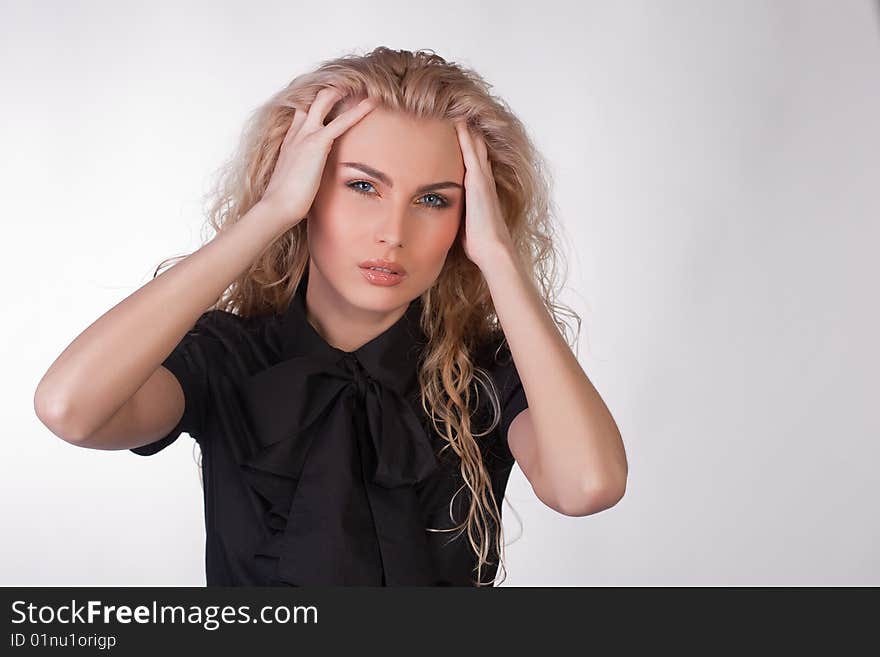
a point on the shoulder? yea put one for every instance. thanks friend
(494, 358)
(221, 323)
(250, 343)
(493, 354)
(224, 322)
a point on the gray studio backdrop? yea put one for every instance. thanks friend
(716, 168)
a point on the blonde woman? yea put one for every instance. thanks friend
(381, 341)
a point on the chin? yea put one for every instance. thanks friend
(381, 298)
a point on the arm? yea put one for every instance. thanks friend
(566, 442)
(109, 378)
(108, 389)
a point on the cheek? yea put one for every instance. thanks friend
(435, 241)
(331, 231)
(324, 241)
(449, 233)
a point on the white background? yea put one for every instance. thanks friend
(716, 167)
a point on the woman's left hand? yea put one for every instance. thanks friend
(485, 230)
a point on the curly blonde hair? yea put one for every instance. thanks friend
(458, 312)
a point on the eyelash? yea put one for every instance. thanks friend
(444, 203)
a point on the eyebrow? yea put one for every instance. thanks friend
(386, 180)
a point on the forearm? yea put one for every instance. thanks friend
(107, 363)
(578, 445)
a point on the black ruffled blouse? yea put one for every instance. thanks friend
(319, 465)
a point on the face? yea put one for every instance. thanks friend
(392, 189)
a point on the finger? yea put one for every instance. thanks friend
(473, 156)
(482, 152)
(466, 142)
(482, 155)
(320, 107)
(483, 148)
(299, 118)
(349, 117)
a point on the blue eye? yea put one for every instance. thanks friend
(357, 189)
(441, 202)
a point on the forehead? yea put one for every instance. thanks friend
(403, 146)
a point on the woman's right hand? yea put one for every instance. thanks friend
(300, 165)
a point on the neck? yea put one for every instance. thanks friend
(339, 323)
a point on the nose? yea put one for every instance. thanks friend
(391, 226)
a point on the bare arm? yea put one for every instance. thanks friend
(109, 391)
(88, 385)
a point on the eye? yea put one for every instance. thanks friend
(439, 203)
(357, 189)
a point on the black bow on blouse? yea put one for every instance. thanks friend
(319, 416)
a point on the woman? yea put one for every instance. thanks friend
(382, 236)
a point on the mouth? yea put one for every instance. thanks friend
(382, 272)
(385, 266)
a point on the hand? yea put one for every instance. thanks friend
(485, 229)
(303, 155)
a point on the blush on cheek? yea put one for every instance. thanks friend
(433, 251)
(449, 234)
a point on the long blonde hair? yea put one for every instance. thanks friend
(458, 312)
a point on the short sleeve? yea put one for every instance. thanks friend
(511, 394)
(209, 345)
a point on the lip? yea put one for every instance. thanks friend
(396, 267)
(381, 278)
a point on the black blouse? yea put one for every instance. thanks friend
(320, 466)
